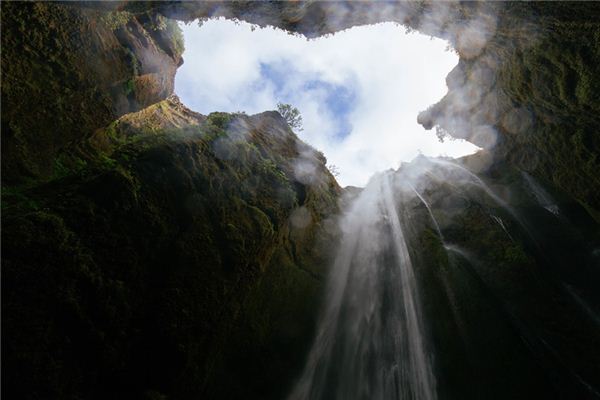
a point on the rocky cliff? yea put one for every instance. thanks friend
(524, 85)
(508, 272)
(183, 260)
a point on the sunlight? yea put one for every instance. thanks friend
(359, 91)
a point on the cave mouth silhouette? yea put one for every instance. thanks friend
(359, 91)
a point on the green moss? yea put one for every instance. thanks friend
(75, 53)
(219, 119)
(17, 198)
(130, 87)
(515, 255)
(115, 20)
(167, 221)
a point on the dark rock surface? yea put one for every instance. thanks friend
(185, 262)
(508, 284)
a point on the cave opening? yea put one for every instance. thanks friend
(358, 91)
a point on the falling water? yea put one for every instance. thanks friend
(426, 204)
(370, 342)
(500, 222)
(542, 197)
(477, 181)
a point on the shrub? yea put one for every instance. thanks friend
(291, 115)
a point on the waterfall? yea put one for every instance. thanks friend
(541, 196)
(478, 182)
(370, 342)
(426, 204)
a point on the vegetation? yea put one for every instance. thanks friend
(116, 19)
(442, 134)
(67, 70)
(334, 170)
(291, 115)
(175, 32)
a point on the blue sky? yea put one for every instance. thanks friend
(359, 91)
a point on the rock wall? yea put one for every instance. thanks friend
(183, 263)
(68, 70)
(524, 87)
(508, 282)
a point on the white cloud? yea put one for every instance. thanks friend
(392, 75)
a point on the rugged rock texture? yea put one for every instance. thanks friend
(67, 71)
(523, 86)
(531, 96)
(509, 283)
(183, 263)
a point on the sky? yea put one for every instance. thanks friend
(359, 91)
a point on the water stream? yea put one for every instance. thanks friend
(540, 194)
(370, 343)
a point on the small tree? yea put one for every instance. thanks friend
(291, 115)
(334, 170)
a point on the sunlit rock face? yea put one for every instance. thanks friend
(187, 260)
(69, 70)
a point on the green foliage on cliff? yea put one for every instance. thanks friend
(116, 19)
(175, 32)
(156, 258)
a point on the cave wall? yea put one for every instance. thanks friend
(184, 262)
(531, 97)
(67, 71)
(502, 283)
